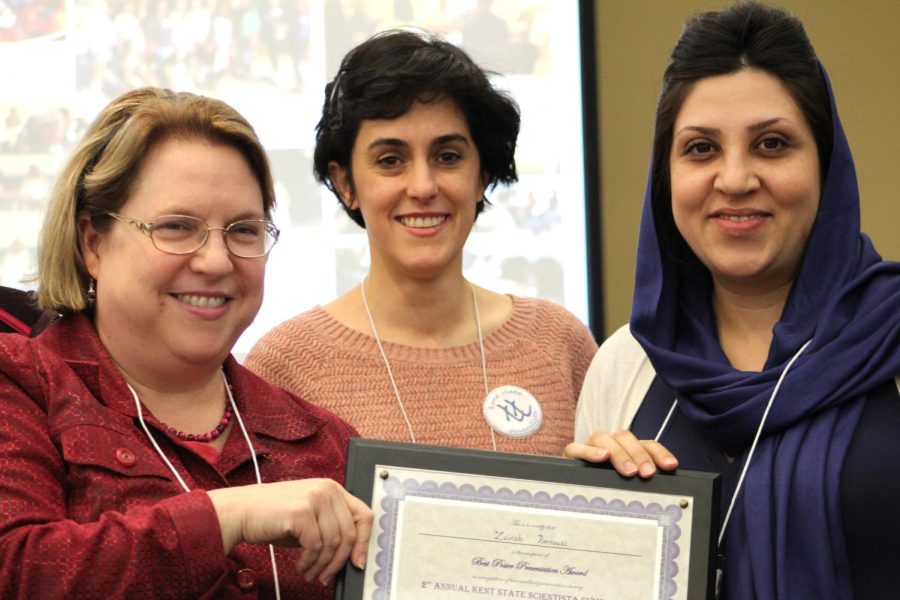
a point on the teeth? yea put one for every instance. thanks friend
(202, 301)
(739, 219)
(422, 222)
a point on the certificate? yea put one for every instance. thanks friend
(453, 524)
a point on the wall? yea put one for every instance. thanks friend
(858, 42)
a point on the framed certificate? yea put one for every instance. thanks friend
(453, 524)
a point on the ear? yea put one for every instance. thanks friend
(89, 239)
(340, 179)
(483, 189)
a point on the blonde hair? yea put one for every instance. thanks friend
(102, 170)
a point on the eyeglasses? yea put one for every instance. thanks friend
(181, 234)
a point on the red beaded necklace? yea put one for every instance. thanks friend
(203, 437)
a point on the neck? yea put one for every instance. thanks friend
(435, 313)
(745, 323)
(188, 407)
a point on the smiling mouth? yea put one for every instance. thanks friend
(201, 301)
(740, 218)
(422, 222)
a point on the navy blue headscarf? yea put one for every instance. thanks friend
(785, 537)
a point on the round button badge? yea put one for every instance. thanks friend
(512, 411)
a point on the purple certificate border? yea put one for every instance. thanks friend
(396, 491)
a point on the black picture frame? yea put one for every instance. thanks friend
(364, 455)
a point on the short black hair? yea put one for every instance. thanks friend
(382, 78)
(744, 35)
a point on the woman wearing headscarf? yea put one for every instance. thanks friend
(764, 341)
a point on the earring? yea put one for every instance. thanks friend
(91, 293)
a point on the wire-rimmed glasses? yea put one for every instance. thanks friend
(183, 234)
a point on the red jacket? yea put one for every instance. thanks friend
(88, 508)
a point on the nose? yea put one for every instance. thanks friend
(213, 258)
(736, 175)
(421, 183)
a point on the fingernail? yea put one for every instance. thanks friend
(629, 468)
(647, 469)
(361, 563)
(325, 581)
(670, 461)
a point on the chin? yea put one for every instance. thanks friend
(736, 266)
(204, 357)
(202, 349)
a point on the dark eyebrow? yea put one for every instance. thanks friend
(711, 131)
(765, 124)
(390, 142)
(398, 143)
(451, 137)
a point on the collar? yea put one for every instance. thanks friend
(267, 411)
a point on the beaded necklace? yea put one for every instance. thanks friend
(203, 437)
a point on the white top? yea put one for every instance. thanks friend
(614, 387)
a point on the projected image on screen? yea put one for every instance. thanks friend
(63, 61)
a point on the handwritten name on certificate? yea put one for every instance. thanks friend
(453, 536)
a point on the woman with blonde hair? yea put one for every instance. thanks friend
(140, 459)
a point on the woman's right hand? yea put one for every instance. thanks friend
(627, 454)
(319, 515)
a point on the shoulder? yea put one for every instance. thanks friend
(279, 408)
(35, 366)
(623, 347)
(289, 340)
(52, 347)
(306, 322)
(310, 333)
(541, 329)
(17, 352)
(548, 316)
(620, 363)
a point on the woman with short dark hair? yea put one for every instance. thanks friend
(412, 134)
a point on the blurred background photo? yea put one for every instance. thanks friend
(63, 61)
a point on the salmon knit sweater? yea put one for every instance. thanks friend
(541, 347)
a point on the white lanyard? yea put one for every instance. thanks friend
(234, 408)
(759, 429)
(390, 372)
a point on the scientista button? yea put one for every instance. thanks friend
(512, 411)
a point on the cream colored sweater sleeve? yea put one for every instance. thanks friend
(615, 386)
